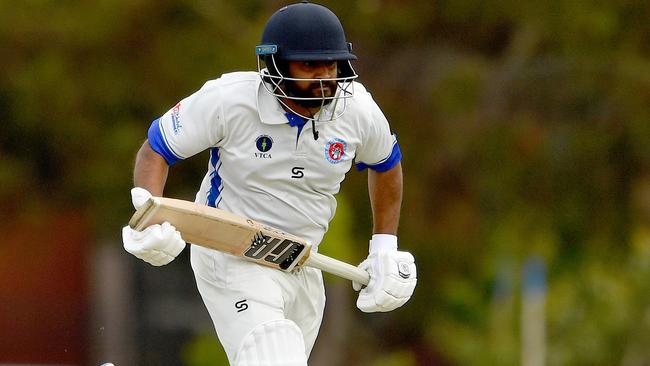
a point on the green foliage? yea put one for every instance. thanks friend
(400, 358)
(204, 350)
(339, 241)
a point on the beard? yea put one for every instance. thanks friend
(313, 90)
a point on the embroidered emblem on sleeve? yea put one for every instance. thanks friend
(176, 119)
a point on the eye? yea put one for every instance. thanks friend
(314, 64)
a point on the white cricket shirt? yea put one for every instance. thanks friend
(263, 168)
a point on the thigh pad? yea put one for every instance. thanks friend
(274, 343)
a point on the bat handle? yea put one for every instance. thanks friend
(338, 268)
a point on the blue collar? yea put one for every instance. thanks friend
(295, 120)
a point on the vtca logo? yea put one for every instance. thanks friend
(264, 143)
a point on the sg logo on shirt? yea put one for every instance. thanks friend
(297, 172)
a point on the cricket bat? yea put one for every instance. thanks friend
(224, 231)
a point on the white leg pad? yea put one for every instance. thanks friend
(275, 343)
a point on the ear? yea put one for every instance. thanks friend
(345, 70)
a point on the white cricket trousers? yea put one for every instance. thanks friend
(243, 297)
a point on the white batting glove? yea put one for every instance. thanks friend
(157, 244)
(392, 276)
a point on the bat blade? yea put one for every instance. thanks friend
(226, 232)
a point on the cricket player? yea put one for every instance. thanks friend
(280, 142)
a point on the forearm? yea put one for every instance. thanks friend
(393, 274)
(385, 191)
(150, 170)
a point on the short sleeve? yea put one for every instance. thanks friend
(379, 149)
(194, 124)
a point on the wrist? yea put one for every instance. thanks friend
(382, 242)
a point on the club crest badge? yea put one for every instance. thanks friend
(335, 150)
(264, 143)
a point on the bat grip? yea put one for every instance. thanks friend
(338, 268)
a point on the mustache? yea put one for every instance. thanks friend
(313, 90)
(325, 84)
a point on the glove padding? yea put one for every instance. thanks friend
(393, 277)
(158, 244)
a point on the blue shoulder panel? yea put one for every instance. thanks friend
(159, 143)
(386, 165)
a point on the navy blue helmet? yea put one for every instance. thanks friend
(305, 32)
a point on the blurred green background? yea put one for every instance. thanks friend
(526, 140)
